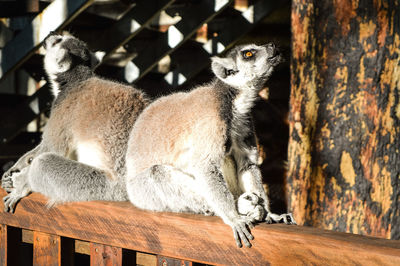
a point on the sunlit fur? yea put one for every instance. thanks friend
(180, 145)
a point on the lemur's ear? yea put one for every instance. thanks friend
(223, 67)
(96, 58)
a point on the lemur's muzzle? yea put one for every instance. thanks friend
(274, 54)
(52, 39)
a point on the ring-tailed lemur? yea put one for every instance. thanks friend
(90, 121)
(180, 144)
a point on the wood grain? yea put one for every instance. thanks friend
(198, 238)
(105, 255)
(165, 261)
(46, 249)
(3, 245)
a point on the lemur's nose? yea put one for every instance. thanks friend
(270, 45)
(271, 50)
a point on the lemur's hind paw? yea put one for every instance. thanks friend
(248, 204)
(287, 218)
(11, 200)
(7, 184)
(7, 181)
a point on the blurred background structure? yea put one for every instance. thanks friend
(160, 46)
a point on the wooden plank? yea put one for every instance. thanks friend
(105, 255)
(165, 261)
(54, 17)
(46, 249)
(211, 241)
(192, 19)
(144, 259)
(3, 245)
(82, 247)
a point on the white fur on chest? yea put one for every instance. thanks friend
(92, 154)
(244, 101)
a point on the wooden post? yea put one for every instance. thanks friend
(10, 242)
(165, 261)
(105, 255)
(3, 245)
(46, 249)
(344, 147)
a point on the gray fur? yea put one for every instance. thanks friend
(90, 122)
(196, 151)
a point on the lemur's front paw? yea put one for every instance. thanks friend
(287, 218)
(248, 204)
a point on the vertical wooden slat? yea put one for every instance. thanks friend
(165, 261)
(105, 255)
(3, 245)
(46, 249)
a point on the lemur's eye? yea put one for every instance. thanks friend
(30, 159)
(248, 54)
(56, 41)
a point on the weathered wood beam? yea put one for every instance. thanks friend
(54, 17)
(211, 241)
(46, 249)
(161, 260)
(105, 255)
(192, 18)
(10, 241)
(239, 23)
(3, 245)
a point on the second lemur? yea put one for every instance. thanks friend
(180, 145)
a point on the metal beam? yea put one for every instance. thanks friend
(192, 19)
(54, 17)
(132, 23)
(15, 119)
(189, 65)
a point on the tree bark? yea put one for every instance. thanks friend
(344, 159)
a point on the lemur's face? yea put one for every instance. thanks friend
(63, 52)
(247, 65)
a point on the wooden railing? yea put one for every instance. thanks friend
(116, 233)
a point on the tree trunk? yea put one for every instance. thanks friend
(344, 160)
